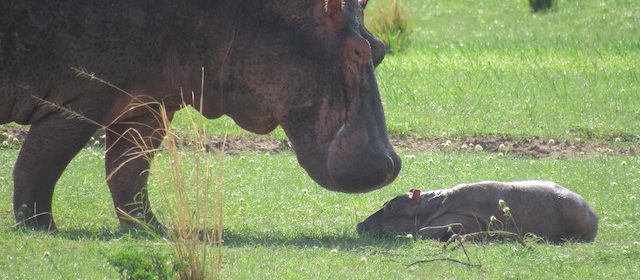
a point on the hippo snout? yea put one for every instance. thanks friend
(371, 226)
(370, 229)
(369, 171)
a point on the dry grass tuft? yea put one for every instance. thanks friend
(191, 188)
(392, 27)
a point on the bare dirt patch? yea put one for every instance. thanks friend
(238, 144)
(535, 147)
(530, 147)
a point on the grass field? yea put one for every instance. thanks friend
(279, 225)
(473, 67)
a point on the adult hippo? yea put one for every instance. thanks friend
(539, 207)
(306, 65)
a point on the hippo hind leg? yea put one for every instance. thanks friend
(131, 145)
(48, 148)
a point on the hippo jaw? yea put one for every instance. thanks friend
(352, 163)
(360, 161)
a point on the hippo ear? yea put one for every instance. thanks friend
(333, 7)
(332, 13)
(363, 3)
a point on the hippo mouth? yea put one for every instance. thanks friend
(377, 229)
(364, 228)
(354, 161)
(351, 172)
(357, 163)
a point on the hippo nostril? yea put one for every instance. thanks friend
(391, 167)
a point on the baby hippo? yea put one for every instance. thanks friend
(539, 207)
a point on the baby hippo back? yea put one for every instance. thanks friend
(539, 207)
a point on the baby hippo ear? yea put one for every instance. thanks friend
(416, 203)
(415, 194)
(363, 3)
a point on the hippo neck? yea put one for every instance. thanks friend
(226, 29)
(434, 200)
(214, 31)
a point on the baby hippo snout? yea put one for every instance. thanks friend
(371, 226)
(361, 228)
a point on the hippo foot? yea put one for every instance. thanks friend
(141, 222)
(26, 219)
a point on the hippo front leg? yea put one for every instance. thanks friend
(131, 145)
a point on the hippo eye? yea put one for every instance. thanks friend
(357, 53)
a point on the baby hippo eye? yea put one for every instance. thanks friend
(390, 207)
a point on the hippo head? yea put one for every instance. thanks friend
(403, 214)
(309, 67)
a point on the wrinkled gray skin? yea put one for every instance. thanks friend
(307, 67)
(539, 207)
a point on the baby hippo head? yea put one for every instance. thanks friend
(403, 214)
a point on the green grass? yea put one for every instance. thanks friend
(473, 67)
(490, 67)
(278, 224)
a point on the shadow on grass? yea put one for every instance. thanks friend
(96, 234)
(238, 238)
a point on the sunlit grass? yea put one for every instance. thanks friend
(278, 223)
(491, 67)
(519, 93)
